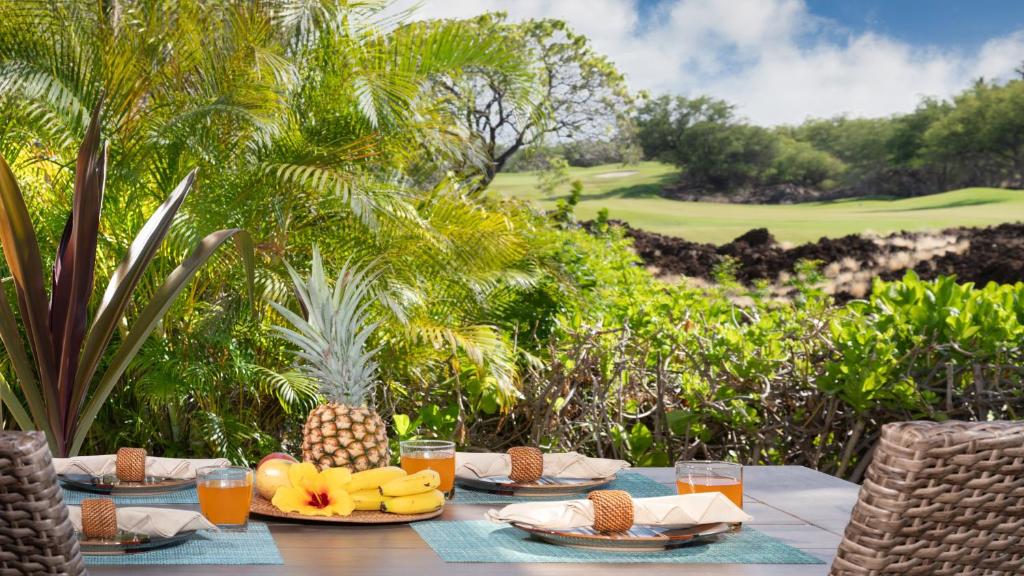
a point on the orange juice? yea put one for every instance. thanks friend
(732, 488)
(444, 465)
(225, 502)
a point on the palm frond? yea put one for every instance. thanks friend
(291, 387)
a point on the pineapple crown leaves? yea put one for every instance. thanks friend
(332, 338)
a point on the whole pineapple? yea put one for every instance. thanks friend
(340, 435)
(345, 431)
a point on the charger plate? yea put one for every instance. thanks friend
(261, 507)
(112, 486)
(130, 543)
(546, 486)
(637, 539)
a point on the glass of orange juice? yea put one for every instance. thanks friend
(437, 455)
(225, 493)
(697, 476)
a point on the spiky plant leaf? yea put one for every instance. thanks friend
(332, 338)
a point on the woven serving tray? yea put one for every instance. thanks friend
(546, 486)
(637, 539)
(262, 507)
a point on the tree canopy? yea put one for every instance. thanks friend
(309, 122)
(718, 151)
(572, 92)
(977, 138)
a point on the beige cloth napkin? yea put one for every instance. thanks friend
(163, 522)
(671, 511)
(559, 465)
(106, 465)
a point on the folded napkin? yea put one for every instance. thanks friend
(177, 468)
(560, 465)
(669, 511)
(163, 522)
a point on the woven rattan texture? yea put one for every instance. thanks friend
(527, 464)
(613, 510)
(99, 518)
(131, 464)
(940, 499)
(36, 536)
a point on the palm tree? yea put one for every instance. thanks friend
(309, 123)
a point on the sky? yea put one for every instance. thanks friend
(782, 61)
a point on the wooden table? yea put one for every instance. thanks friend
(801, 507)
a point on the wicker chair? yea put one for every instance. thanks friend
(940, 499)
(36, 536)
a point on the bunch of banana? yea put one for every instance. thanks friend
(390, 489)
(387, 489)
(413, 494)
(368, 499)
(373, 478)
(364, 487)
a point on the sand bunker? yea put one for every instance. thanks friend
(619, 174)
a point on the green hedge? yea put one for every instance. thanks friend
(672, 371)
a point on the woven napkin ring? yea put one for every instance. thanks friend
(613, 510)
(99, 518)
(527, 464)
(131, 464)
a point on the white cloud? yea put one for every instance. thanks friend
(1000, 55)
(772, 58)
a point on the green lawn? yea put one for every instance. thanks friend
(634, 198)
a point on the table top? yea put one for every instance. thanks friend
(799, 506)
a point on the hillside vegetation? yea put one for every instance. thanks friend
(630, 193)
(972, 139)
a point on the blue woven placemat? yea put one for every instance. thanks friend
(75, 497)
(483, 541)
(254, 546)
(638, 486)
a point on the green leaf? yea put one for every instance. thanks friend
(640, 439)
(121, 286)
(679, 421)
(17, 410)
(11, 337)
(291, 386)
(558, 404)
(74, 266)
(654, 458)
(403, 424)
(488, 403)
(21, 250)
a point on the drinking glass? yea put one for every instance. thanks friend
(436, 455)
(698, 476)
(225, 493)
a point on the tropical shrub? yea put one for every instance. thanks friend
(719, 151)
(797, 162)
(669, 372)
(703, 136)
(59, 395)
(309, 123)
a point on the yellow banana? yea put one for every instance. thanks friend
(368, 499)
(415, 504)
(417, 483)
(372, 479)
